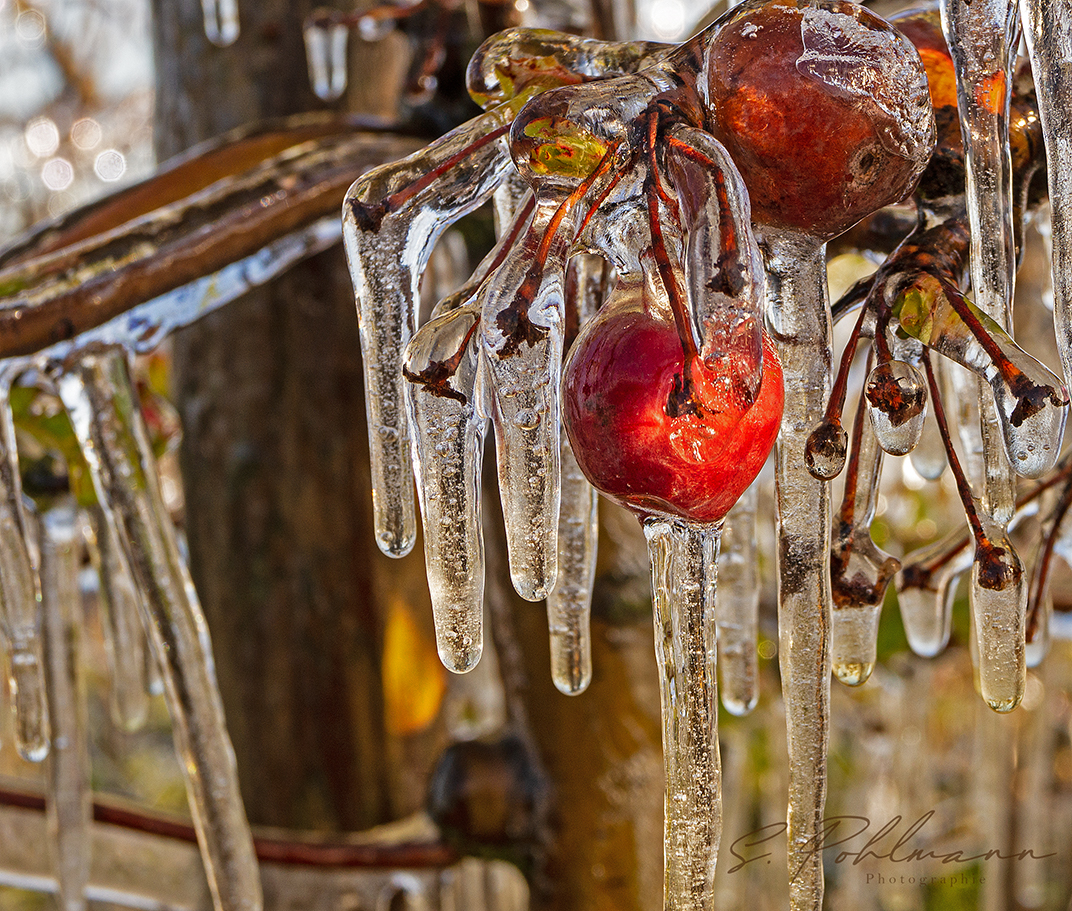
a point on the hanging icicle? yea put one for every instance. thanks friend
(97, 392)
(69, 796)
(221, 21)
(20, 604)
(125, 641)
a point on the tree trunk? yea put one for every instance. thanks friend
(275, 465)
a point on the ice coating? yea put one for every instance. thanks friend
(221, 21)
(926, 587)
(859, 570)
(896, 398)
(875, 67)
(683, 565)
(68, 805)
(800, 321)
(1048, 30)
(20, 615)
(392, 217)
(1026, 400)
(448, 444)
(998, 608)
(981, 36)
(737, 607)
(517, 58)
(723, 268)
(125, 639)
(97, 393)
(326, 43)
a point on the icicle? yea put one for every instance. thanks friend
(20, 617)
(68, 804)
(1048, 29)
(325, 49)
(124, 640)
(683, 563)
(737, 607)
(1035, 785)
(102, 405)
(392, 218)
(443, 401)
(897, 406)
(859, 570)
(523, 340)
(926, 588)
(221, 21)
(800, 317)
(928, 457)
(569, 604)
(980, 36)
(998, 592)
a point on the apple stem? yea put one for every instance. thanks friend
(682, 398)
(858, 585)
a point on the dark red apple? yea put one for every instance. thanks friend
(621, 381)
(823, 107)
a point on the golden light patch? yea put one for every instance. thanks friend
(414, 679)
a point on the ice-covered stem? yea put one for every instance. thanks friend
(101, 402)
(737, 606)
(723, 267)
(444, 402)
(569, 604)
(69, 797)
(998, 590)
(20, 604)
(924, 585)
(683, 565)
(918, 286)
(1048, 29)
(859, 570)
(828, 444)
(800, 322)
(392, 218)
(124, 640)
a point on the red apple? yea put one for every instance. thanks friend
(823, 107)
(621, 376)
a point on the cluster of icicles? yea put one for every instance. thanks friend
(549, 507)
(431, 393)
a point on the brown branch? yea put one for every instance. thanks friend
(297, 852)
(53, 296)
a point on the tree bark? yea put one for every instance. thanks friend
(275, 465)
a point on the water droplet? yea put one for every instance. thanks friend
(897, 405)
(824, 453)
